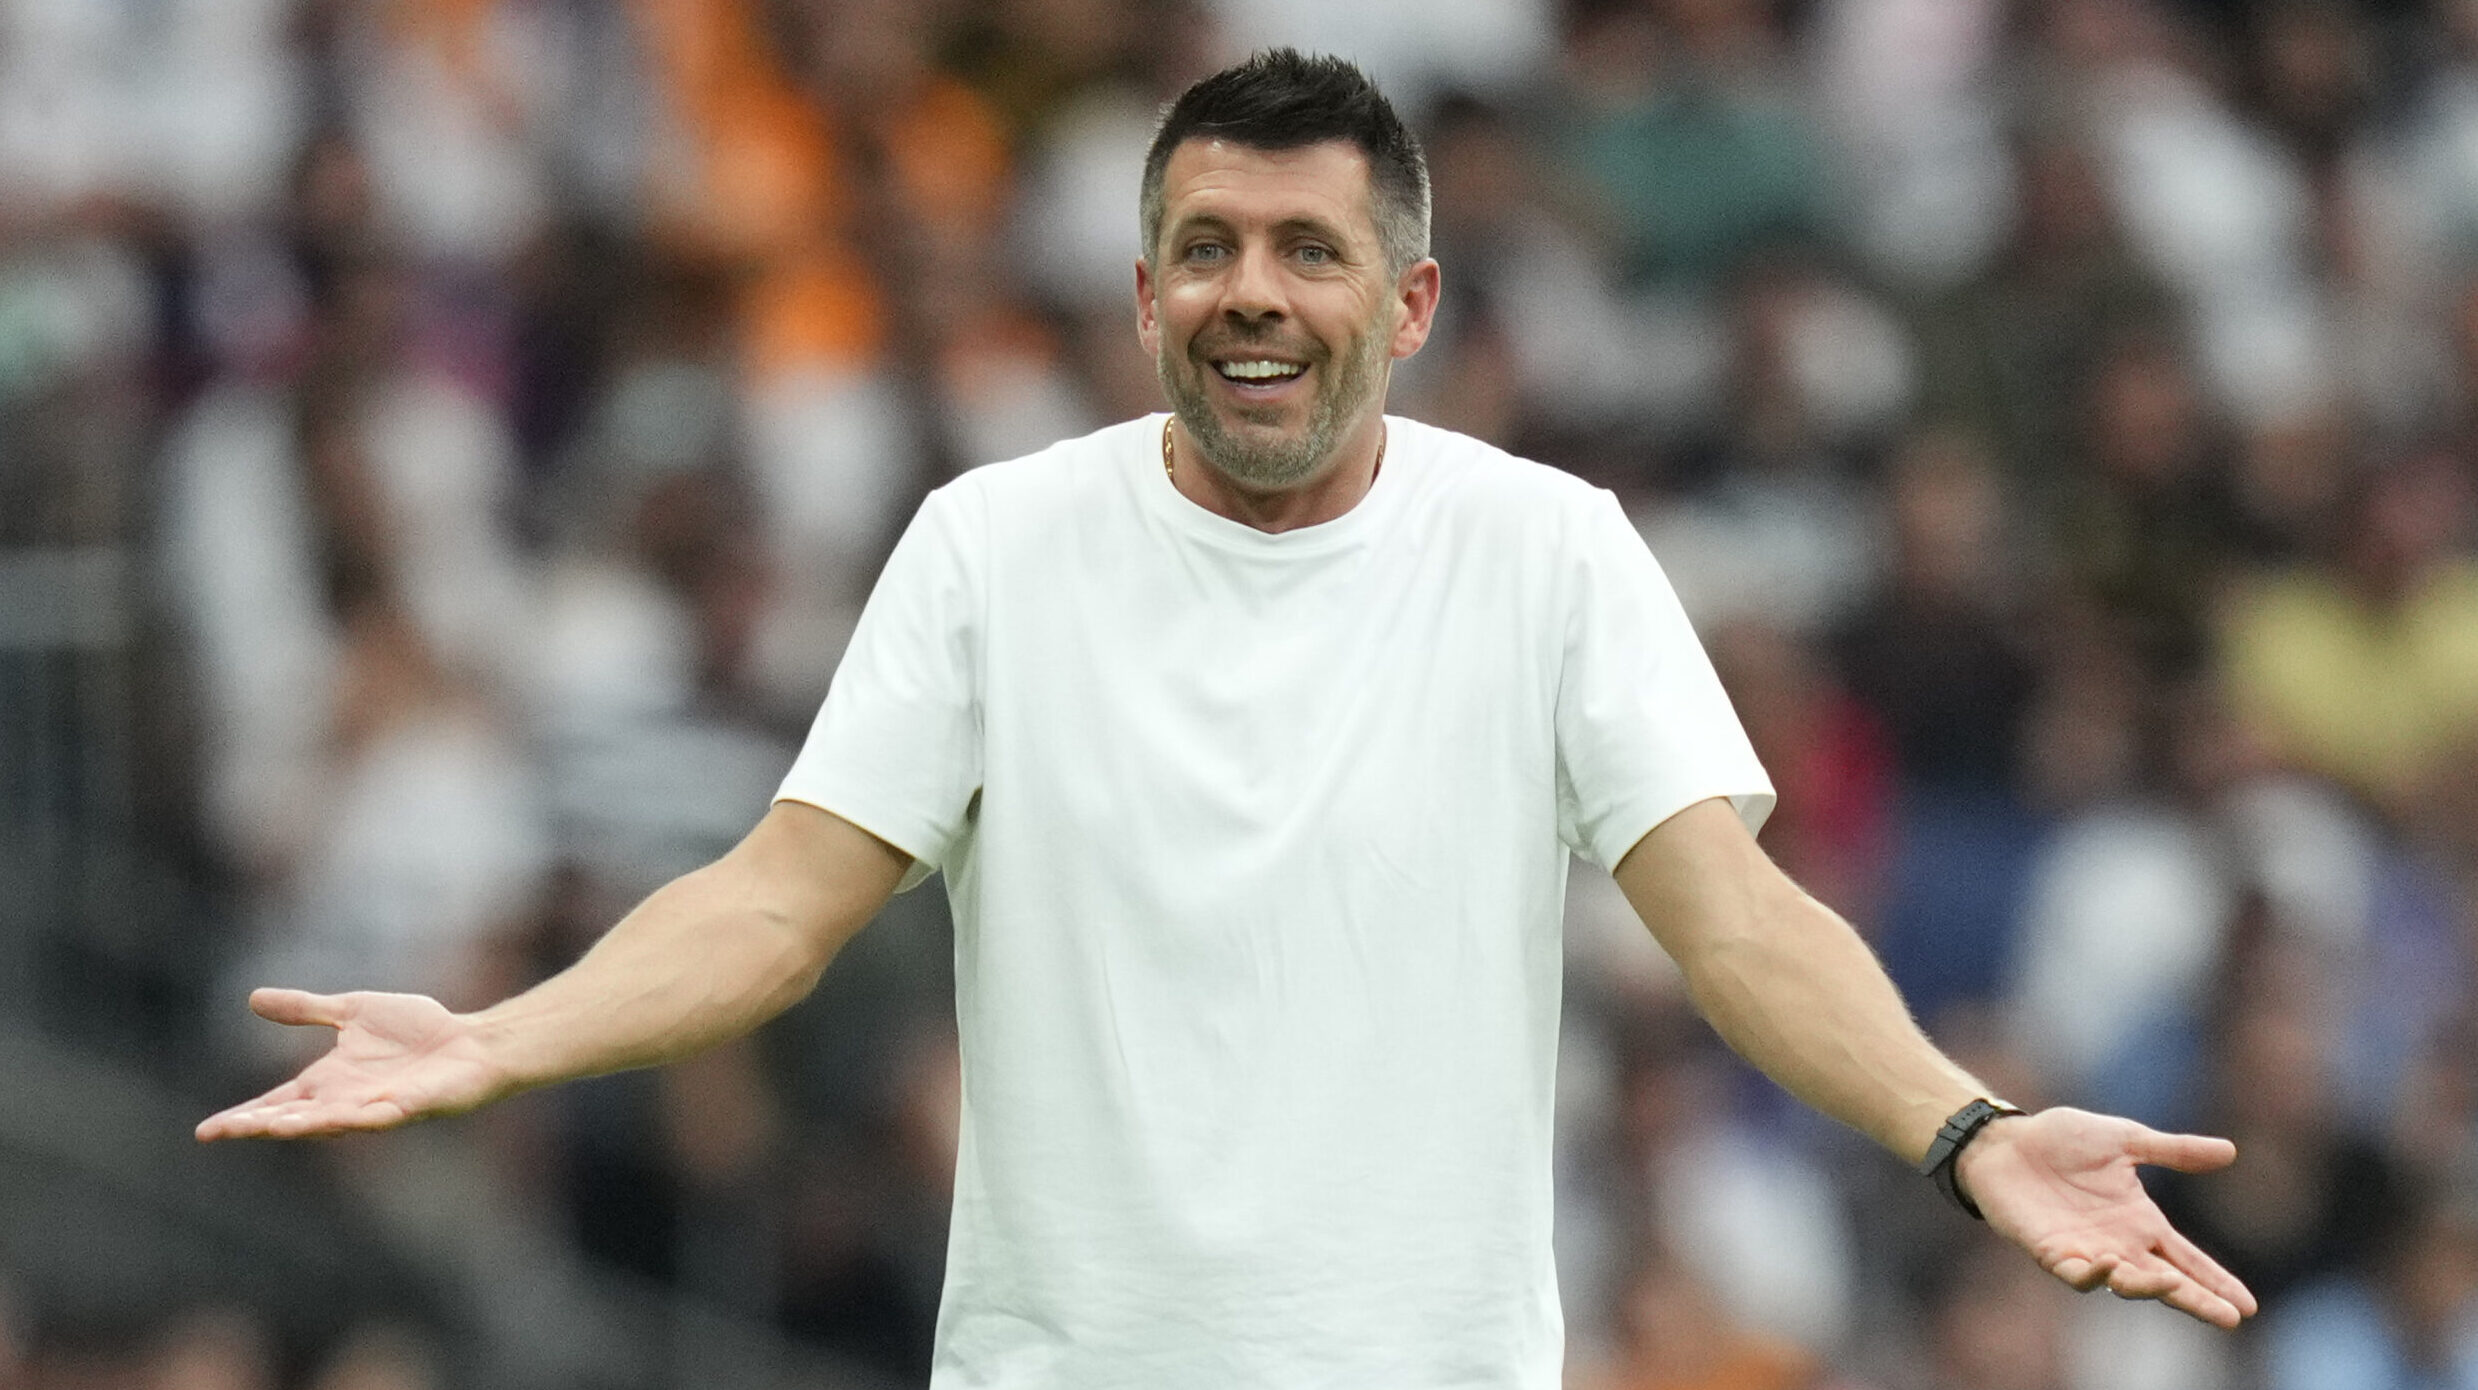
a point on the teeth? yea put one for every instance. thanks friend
(1260, 371)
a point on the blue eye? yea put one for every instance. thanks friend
(1316, 255)
(1207, 251)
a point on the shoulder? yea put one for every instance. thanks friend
(1479, 470)
(1065, 473)
(1004, 507)
(1475, 464)
(1480, 489)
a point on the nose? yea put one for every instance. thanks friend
(1253, 290)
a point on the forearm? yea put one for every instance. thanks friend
(1796, 992)
(1790, 986)
(708, 957)
(695, 964)
(1800, 996)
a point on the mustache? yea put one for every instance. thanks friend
(1230, 343)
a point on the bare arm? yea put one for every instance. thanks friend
(1787, 983)
(1790, 986)
(710, 956)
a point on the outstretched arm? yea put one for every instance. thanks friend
(709, 956)
(1791, 987)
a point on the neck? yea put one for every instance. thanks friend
(1322, 496)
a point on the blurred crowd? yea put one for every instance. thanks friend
(2060, 417)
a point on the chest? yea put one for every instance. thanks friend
(1359, 685)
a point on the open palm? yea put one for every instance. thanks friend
(2062, 1185)
(397, 1058)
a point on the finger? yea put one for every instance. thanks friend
(223, 1124)
(240, 1122)
(2187, 1153)
(2195, 1301)
(334, 1119)
(2083, 1275)
(297, 1006)
(304, 1119)
(2209, 1273)
(2152, 1279)
(249, 1119)
(2156, 1278)
(212, 1126)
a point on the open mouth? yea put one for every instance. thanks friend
(1258, 371)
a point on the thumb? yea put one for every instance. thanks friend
(2187, 1153)
(299, 1006)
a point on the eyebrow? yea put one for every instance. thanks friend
(1316, 227)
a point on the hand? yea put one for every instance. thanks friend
(2061, 1185)
(397, 1058)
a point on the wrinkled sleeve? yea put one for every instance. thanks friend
(896, 748)
(1643, 728)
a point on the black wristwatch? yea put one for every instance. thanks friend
(1958, 1131)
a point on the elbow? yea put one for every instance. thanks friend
(805, 943)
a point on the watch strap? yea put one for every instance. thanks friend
(1963, 1126)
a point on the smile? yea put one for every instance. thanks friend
(1259, 371)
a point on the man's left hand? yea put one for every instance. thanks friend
(2061, 1184)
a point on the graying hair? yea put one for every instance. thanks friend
(1282, 99)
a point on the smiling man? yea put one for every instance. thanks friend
(1253, 741)
(1281, 287)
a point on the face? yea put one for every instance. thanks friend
(1269, 308)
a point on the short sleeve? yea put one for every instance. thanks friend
(1643, 728)
(896, 748)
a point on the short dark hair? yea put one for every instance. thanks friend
(1282, 99)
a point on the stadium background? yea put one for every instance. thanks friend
(442, 443)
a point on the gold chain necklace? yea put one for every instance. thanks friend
(1173, 474)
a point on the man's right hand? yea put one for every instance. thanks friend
(711, 955)
(397, 1058)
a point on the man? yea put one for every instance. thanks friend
(1252, 742)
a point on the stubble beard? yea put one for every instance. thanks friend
(1271, 462)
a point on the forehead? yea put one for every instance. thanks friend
(1246, 186)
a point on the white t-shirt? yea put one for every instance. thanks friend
(1257, 847)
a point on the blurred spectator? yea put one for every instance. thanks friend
(431, 839)
(223, 1349)
(191, 107)
(381, 1356)
(1940, 654)
(2146, 516)
(1732, 1213)
(1677, 114)
(1909, 93)
(2314, 1196)
(1772, 525)
(2008, 352)
(2290, 482)
(1992, 1325)
(2110, 1345)
(2210, 201)
(2408, 1321)
(1414, 48)
(2435, 1122)
(452, 100)
(2366, 669)
(2129, 896)
(1942, 658)
(868, 1249)
(1678, 1337)
(1829, 759)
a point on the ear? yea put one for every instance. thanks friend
(1415, 307)
(1148, 319)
